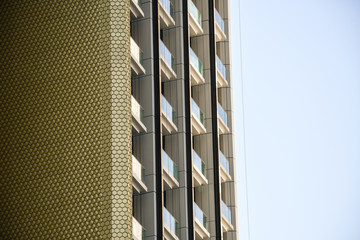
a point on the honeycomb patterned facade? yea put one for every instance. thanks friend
(65, 120)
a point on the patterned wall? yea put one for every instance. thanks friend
(65, 120)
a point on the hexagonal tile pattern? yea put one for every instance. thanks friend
(65, 120)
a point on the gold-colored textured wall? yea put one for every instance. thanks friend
(65, 165)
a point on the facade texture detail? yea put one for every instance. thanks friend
(116, 120)
(65, 120)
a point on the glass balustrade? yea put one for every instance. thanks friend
(138, 230)
(168, 109)
(169, 165)
(136, 109)
(226, 212)
(198, 163)
(220, 66)
(200, 216)
(224, 162)
(136, 51)
(219, 21)
(166, 55)
(170, 222)
(196, 62)
(195, 12)
(197, 112)
(169, 7)
(138, 169)
(222, 114)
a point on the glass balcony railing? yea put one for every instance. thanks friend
(224, 162)
(136, 109)
(222, 114)
(170, 222)
(195, 12)
(138, 169)
(136, 51)
(166, 54)
(138, 230)
(169, 165)
(196, 110)
(168, 109)
(198, 163)
(200, 216)
(220, 66)
(169, 7)
(226, 212)
(219, 21)
(196, 62)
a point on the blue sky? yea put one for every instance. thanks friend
(301, 83)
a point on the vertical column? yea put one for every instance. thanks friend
(157, 122)
(121, 129)
(228, 188)
(188, 147)
(145, 144)
(214, 116)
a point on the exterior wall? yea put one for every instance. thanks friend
(143, 88)
(227, 140)
(65, 120)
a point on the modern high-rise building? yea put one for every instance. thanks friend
(117, 120)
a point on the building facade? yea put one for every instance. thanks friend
(117, 120)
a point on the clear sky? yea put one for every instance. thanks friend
(301, 84)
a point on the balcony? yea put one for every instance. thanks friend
(137, 116)
(138, 176)
(226, 217)
(170, 171)
(220, 73)
(197, 119)
(166, 12)
(222, 117)
(194, 20)
(136, 58)
(199, 172)
(171, 226)
(168, 116)
(224, 168)
(219, 27)
(135, 9)
(200, 223)
(138, 231)
(167, 62)
(196, 69)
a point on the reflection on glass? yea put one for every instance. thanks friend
(197, 112)
(166, 55)
(222, 114)
(221, 67)
(170, 222)
(226, 212)
(169, 165)
(224, 162)
(136, 52)
(195, 12)
(169, 8)
(219, 20)
(137, 110)
(200, 216)
(138, 169)
(196, 62)
(168, 110)
(138, 230)
(198, 163)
